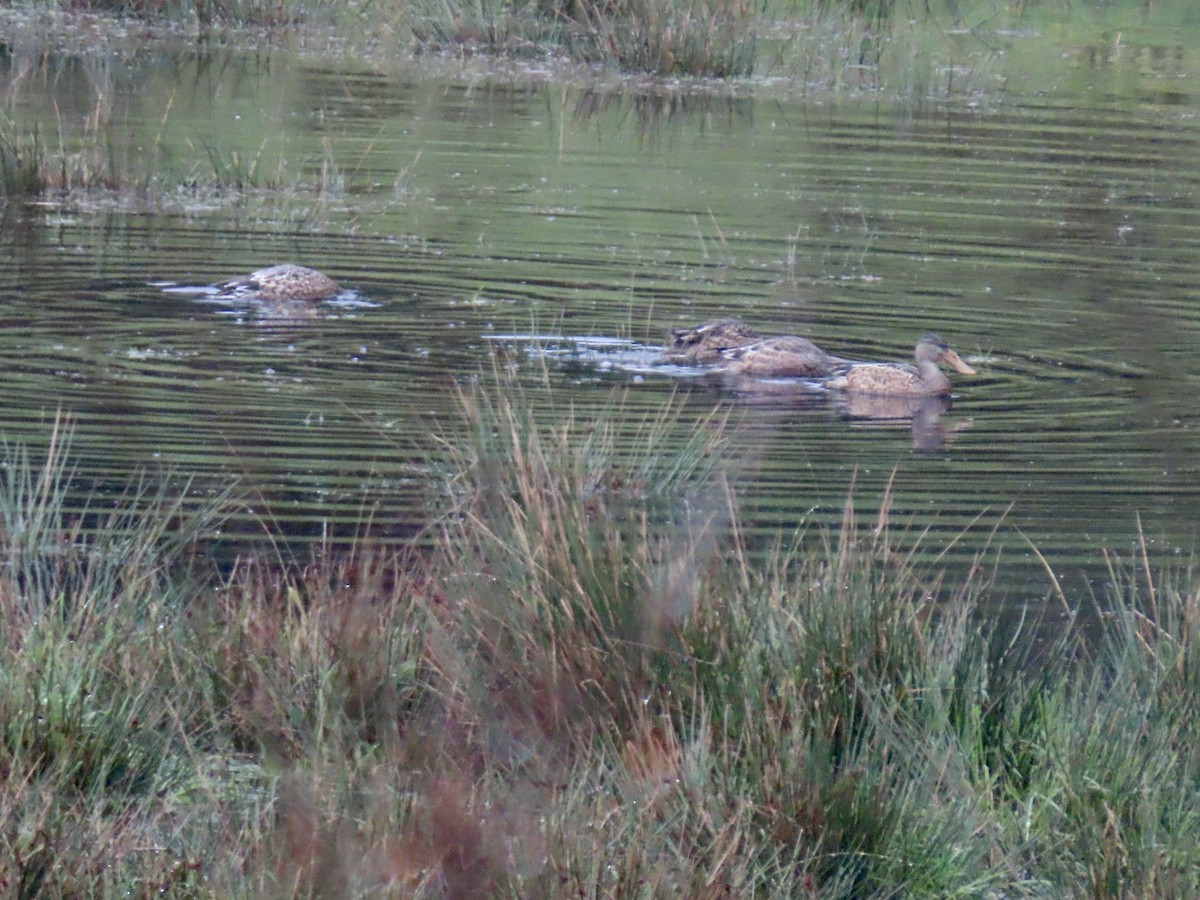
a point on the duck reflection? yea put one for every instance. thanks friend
(284, 312)
(922, 415)
(785, 393)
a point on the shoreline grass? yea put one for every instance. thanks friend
(667, 50)
(91, 175)
(700, 39)
(586, 689)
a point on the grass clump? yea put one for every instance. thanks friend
(872, 12)
(20, 167)
(91, 174)
(589, 687)
(87, 749)
(706, 38)
(28, 169)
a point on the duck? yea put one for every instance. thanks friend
(784, 356)
(286, 282)
(702, 344)
(924, 379)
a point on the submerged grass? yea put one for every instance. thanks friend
(588, 688)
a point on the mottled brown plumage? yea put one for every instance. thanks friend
(924, 379)
(702, 344)
(785, 356)
(283, 282)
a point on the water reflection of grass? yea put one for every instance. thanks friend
(587, 689)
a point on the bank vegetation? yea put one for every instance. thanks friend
(585, 685)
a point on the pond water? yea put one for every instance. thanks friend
(1043, 219)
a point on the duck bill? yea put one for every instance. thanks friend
(955, 362)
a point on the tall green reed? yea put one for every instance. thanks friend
(91, 730)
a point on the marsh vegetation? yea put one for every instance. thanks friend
(588, 676)
(586, 688)
(824, 42)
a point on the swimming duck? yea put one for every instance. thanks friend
(283, 282)
(924, 379)
(703, 343)
(785, 356)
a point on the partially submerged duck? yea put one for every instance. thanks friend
(785, 356)
(924, 379)
(281, 283)
(702, 344)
